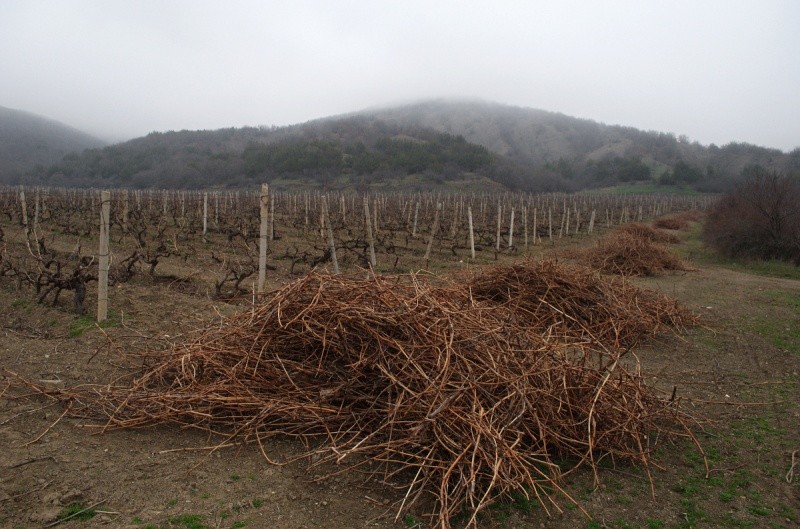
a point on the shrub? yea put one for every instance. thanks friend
(760, 219)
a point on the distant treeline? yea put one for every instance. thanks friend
(441, 153)
(424, 145)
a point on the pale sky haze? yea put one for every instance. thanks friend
(716, 71)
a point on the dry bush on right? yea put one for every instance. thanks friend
(759, 219)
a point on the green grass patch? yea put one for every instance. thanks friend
(188, 521)
(691, 513)
(87, 322)
(77, 511)
(410, 520)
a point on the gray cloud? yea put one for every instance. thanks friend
(715, 71)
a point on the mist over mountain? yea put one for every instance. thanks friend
(426, 144)
(28, 140)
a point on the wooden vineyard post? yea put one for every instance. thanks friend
(36, 212)
(263, 239)
(416, 215)
(511, 230)
(125, 211)
(471, 233)
(525, 224)
(370, 240)
(499, 221)
(375, 217)
(305, 223)
(24, 207)
(434, 229)
(103, 254)
(550, 223)
(591, 223)
(272, 217)
(331, 242)
(205, 215)
(535, 211)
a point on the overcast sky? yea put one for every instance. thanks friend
(715, 71)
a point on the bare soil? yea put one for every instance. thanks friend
(739, 373)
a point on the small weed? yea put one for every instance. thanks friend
(18, 303)
(239, 524)
(224, 515)
(136, 521)
(592, 524)
(726, 496)
(730, 521)
(410, 520)
(523, 503)
(257, 503)
(691, 513)
(188, 521)
(622, 524)
(235, 477)
(758, 510)
(172, 503)
(655, 524)
(787, 513)
(76, 511)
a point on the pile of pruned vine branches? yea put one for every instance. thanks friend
(466, 391)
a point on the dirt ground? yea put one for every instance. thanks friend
(739, 372)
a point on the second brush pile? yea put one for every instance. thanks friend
(464, 392)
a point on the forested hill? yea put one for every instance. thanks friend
(27, 140)
(582, 152)
(424, 145)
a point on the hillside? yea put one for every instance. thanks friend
(553, 144)
(420, 145)
(27, 140)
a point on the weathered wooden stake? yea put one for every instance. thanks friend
(103, 256)
(263, 238)
(370, 240)
(499, 223)
(471, 234)
(511, 229)
(205, 214)
(272, 217)
(434, 229)
(331, 241)
(525, 224)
